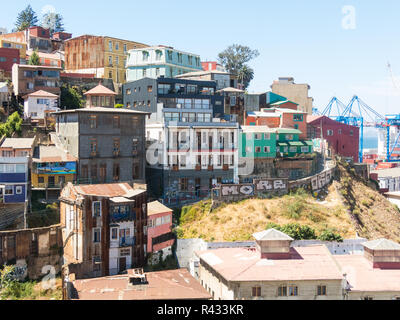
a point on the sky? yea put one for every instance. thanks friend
(337, 52)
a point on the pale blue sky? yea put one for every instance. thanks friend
(303, 39)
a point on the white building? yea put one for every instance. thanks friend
(39, 104)
(153, 62)
(389, 179)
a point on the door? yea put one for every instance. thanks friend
(51, 181)
(122, 264)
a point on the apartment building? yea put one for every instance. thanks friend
(35, 38)
(222, 78)
(273, 270)
(297, 93)
(104, 228)
(155, 62)
(108, 143)
(29, 79)
(17, 147)
(105, 57)
(48, 59)
(183, 98)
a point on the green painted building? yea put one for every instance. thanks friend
(289, 145)
(258, 142)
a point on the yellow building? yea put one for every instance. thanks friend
(105, 57)
(52, 169)
(15, 45)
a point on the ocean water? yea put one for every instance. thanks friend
(370, 142)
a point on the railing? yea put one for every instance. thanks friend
(115, 217)
(59, 185)
(126, 242)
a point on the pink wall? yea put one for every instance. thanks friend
(158, 231)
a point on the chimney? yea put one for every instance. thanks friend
(382, 253)
(273, 244)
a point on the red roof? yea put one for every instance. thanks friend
(163, 285)
(100, 90)
(42, 93)
(241, 264)
(363, 277)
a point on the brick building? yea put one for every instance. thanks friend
(104, 228)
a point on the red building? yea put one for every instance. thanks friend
(342, 139)
(7, 58)
(211, 66)
(159, 231)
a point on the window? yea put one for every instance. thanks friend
(93, 122)
(157, 72)
(116, 122)
(298, 117)
(330, 133)
(117, 61)
(93, 146)
(256, 291)
(117, 46)
(96, 235)
(110, 46)
(150, 89)
(267, 149)
(9, 191)
(340, 131)
(351, 133)
(293, 291)
(267, 136)
(114, 233)
(116, 172)
(116, 145)
(18, 190)
(128, 91)
(183, 184)
(110, 74)
(3, 59)
(110, 60)
(180, 57)
(258, 149)
(191, 89)
(145, 56)
(289, 137)
(158, 55)
(282, 291)
(144, 72)
(257, 136)
(96, 208)
(368, 298)
(125, 48)
(321, 290)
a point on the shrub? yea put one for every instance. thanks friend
(329, 235)
(296, 231)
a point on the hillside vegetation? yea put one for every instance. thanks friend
(351, 206)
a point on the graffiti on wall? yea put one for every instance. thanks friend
(259, 187)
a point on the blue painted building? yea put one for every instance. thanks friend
(14, 177)
(154, 62)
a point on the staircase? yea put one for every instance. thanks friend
(9, 214)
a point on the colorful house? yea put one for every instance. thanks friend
(258, 142)
(159, 233)
(289, 144)
(52, 169)
(14, 176)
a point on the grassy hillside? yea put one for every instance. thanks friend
(351, 206)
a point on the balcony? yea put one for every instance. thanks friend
(225, 167)
(116, 154)
(94, 154)
(210, 168)
(175, 168)
(46, 186)
(127, 242)
(198, 167)
(127, 216)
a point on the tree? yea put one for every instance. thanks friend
(34, 59)
(234, 59)
(25, 19)
(53, 21)
(70, 98)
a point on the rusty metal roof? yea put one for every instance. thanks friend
(162, 285)
(107, 190)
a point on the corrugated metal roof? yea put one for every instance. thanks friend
(156, 207)
(108, 190)
(163, 285)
